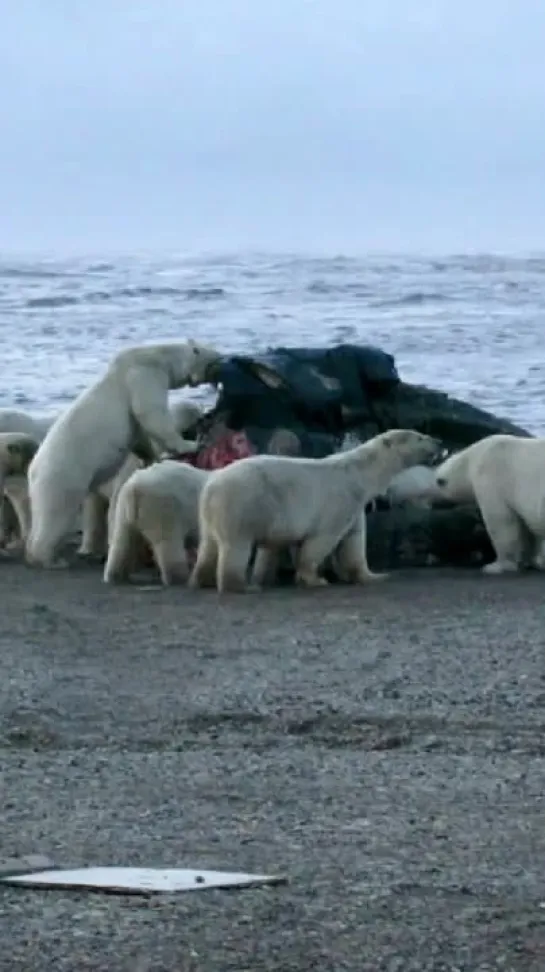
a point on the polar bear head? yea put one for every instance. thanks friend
(202, 361)
(453, 479)
(413, 448)
(16, 452)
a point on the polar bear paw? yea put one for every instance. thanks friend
(310, 580)
(190, 449)
(501, 567)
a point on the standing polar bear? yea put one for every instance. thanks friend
(89, 442)
(505, 476)
(314, 504)
(160, 504)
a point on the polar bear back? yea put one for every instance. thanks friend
(170, 478)
(181, 363)
(279, 499)
(281, 482)
(14, 420)
(164, 496)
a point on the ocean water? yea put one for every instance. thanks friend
(473, 326)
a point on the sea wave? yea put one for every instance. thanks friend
(470, 325)
(31, 273)
(124, 293)
(412, 299)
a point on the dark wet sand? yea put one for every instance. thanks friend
(384, 748)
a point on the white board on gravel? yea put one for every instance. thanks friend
(140, 879)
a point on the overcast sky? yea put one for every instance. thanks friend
(296, 124)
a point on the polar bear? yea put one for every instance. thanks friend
(99, 506)
(15, 420)
(313, 504)
(17, 449)
(505, 476)
(161, 505)
(89, 442)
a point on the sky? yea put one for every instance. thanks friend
(323, 125)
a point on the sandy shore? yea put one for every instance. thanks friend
(385, 748)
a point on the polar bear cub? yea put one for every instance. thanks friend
(89, 442)
(161, 505)
(17, 449)
(505, 476)
(313, 504)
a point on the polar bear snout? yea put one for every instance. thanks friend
(437, 453)
(205, 365)
(431, 450)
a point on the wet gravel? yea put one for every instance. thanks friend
(384, 748)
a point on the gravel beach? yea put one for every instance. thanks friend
(384, 748)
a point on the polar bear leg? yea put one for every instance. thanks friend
(167, 541)
(53, 517)
(205, 570)
(504, 529)
(350, 558)
(265, 567)
(94, 542)
(149, 405)
(171, 559)
(120, 560)
(17, 494)
(538, 559)
(310, 557)
(233, 559)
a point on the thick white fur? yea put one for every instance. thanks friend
(16, 487)
(314, 504)
(505, 476)
(17, 450)
(159, 504)
(15, 420)
(89, 442)
(99, 506)
(414, 486)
